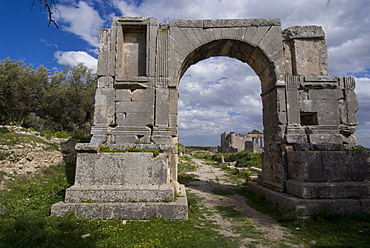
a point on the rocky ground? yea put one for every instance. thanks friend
(31, 152)
(216, 190)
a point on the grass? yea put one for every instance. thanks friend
(12, 139)
(322, 230)
(25, 221)
(200, 148)
(336, 230)
(185, 165)
(78, 135)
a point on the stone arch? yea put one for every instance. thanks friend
(259, 43)
(234, 49)
(253, 56)
(139, 68)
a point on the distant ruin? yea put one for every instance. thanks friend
(250, 142)
(129, 170)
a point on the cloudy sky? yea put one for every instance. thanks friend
(218, 94)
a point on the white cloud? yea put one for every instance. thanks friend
(81, 20)
(351, 56)
(72, 58)
(216, 95)
(346, 22)
(48, 44)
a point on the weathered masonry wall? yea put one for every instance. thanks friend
(141, 63)
(140, 66)
(250, 142)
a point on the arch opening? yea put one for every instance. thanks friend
(218, 94)
(260, 64)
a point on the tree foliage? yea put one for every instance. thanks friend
(34, 98)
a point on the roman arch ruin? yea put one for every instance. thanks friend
(306, 114)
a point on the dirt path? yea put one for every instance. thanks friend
(212, 180)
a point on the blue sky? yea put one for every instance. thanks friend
(218, 94)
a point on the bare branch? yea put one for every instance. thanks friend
(49, 5)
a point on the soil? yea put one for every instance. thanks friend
(210, 180)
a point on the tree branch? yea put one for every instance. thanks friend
(48, 4)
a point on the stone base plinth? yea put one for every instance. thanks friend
(120, 193)
(328, 190)
(308, 207)
(176, 210)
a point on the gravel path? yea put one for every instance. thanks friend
(210, 180)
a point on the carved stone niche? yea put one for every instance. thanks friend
(132, 51)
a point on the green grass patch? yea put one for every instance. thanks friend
(4, 130)
(185, 165)
(78, 135)
(200, 148)
(25, 221)
(230, 212)
(12, 139)
(335, 230)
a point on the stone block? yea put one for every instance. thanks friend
(201, 35)
(104, 51)
(305, 166)
(258, 35)
(104, 107)
(162, 106)
(174, 108)
(120, 193)
(304, 32)
(327, 110)
(177, 210)
(135, 107)
(192, 36)
(328, 166)
(325, 94)
(326, 138)
(328, 190)
(237, 33)
(273, 36)
(309, 207)
(310, 57)
(151, 54)
(134, 119)
(249, 34)
(105, 82)
(134, 95)
(128, 169)
(178, 35)
(133, 137)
